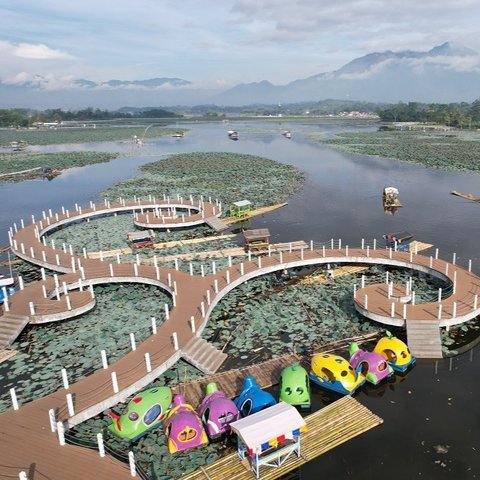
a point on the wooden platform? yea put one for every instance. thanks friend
(266, 374)
(329, 427)
(423, 338)
(254, 213)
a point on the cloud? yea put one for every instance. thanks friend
(37, 51)
(44, 82)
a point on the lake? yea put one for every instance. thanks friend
(436, 404)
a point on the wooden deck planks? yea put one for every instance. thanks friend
(329, 427)
(266, 374)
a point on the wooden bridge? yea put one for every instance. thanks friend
(27, 441)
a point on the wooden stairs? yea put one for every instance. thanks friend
(423, 337)
(10, 327)
(216, 223)
(203, 355)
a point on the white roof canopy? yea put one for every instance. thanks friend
(272, 422)
(242, 203)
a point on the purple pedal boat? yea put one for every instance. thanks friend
(370, 364)
(183, 426)
(217, 412)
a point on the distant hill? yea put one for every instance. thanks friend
(446, 73)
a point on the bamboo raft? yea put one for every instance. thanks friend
(467, 196)
(173, 243)
(254, 213)
(266, 374)
(326, 429)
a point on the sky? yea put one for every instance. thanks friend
(217, 43)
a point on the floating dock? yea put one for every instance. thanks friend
(266, 374)
(254, 213)
(327, 428)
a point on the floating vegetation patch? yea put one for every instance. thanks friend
(227, 176)
(82, 135)
(46, 163)
(450, 151)
(110, 233)
(75, 344)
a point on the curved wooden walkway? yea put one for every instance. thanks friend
(27, 439)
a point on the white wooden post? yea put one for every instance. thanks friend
(455, 282)
(439, 311)
(355, 290)
(208, 297)
(229, 261)
(114, 382)
(346, 250)
(404, 311)
(392, 310)
(71, 410)
(281, 256)
(169, 279)
(470, 265)
(436, 254)
(363, 243)
(366, 302)
(202, 309)
(52, 419)
(454, 258)
(69, 303)
(66, 385)
(362, 283)
(192, 323)
(190, 267)
(61, 433)
(454, 314)
(135, 269)
(131, 461)
(215, 285)
(431, 262)
(32, 308)
(242, 269)
(311, 245)
(214, 267)
(154, 325)
(103, 354)
(323, 250)
(13, 396)
(387, 274)
(167, 311)
(475, 302)
(148, 363)
(101, 447)
(175, 340)
(228, 277)
(132, 342)
(439, 294)
(110, 265)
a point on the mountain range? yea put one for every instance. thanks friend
(446, 73)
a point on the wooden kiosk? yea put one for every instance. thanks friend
(256, 238)
(241, 209)
(269, 437)
(141, 239)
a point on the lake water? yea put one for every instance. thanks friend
(437, 404)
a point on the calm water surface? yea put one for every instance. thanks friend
(438, 402)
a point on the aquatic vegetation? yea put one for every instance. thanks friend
(75, 344)
(83, 135)
(227, 176)
(447, 151)
(18, 161)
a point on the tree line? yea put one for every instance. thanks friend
(460, 115)
(21, 117)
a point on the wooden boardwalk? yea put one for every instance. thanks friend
(327, 428)
(266, 374)
(25, 435)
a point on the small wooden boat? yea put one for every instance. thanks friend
(217, 412)
(178, 135)
(390, 198)
(467, 196)
(232, 135)
(287, 134)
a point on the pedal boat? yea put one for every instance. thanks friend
(371, 364)
(395, 352)
(335, 373)
(217, 412)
